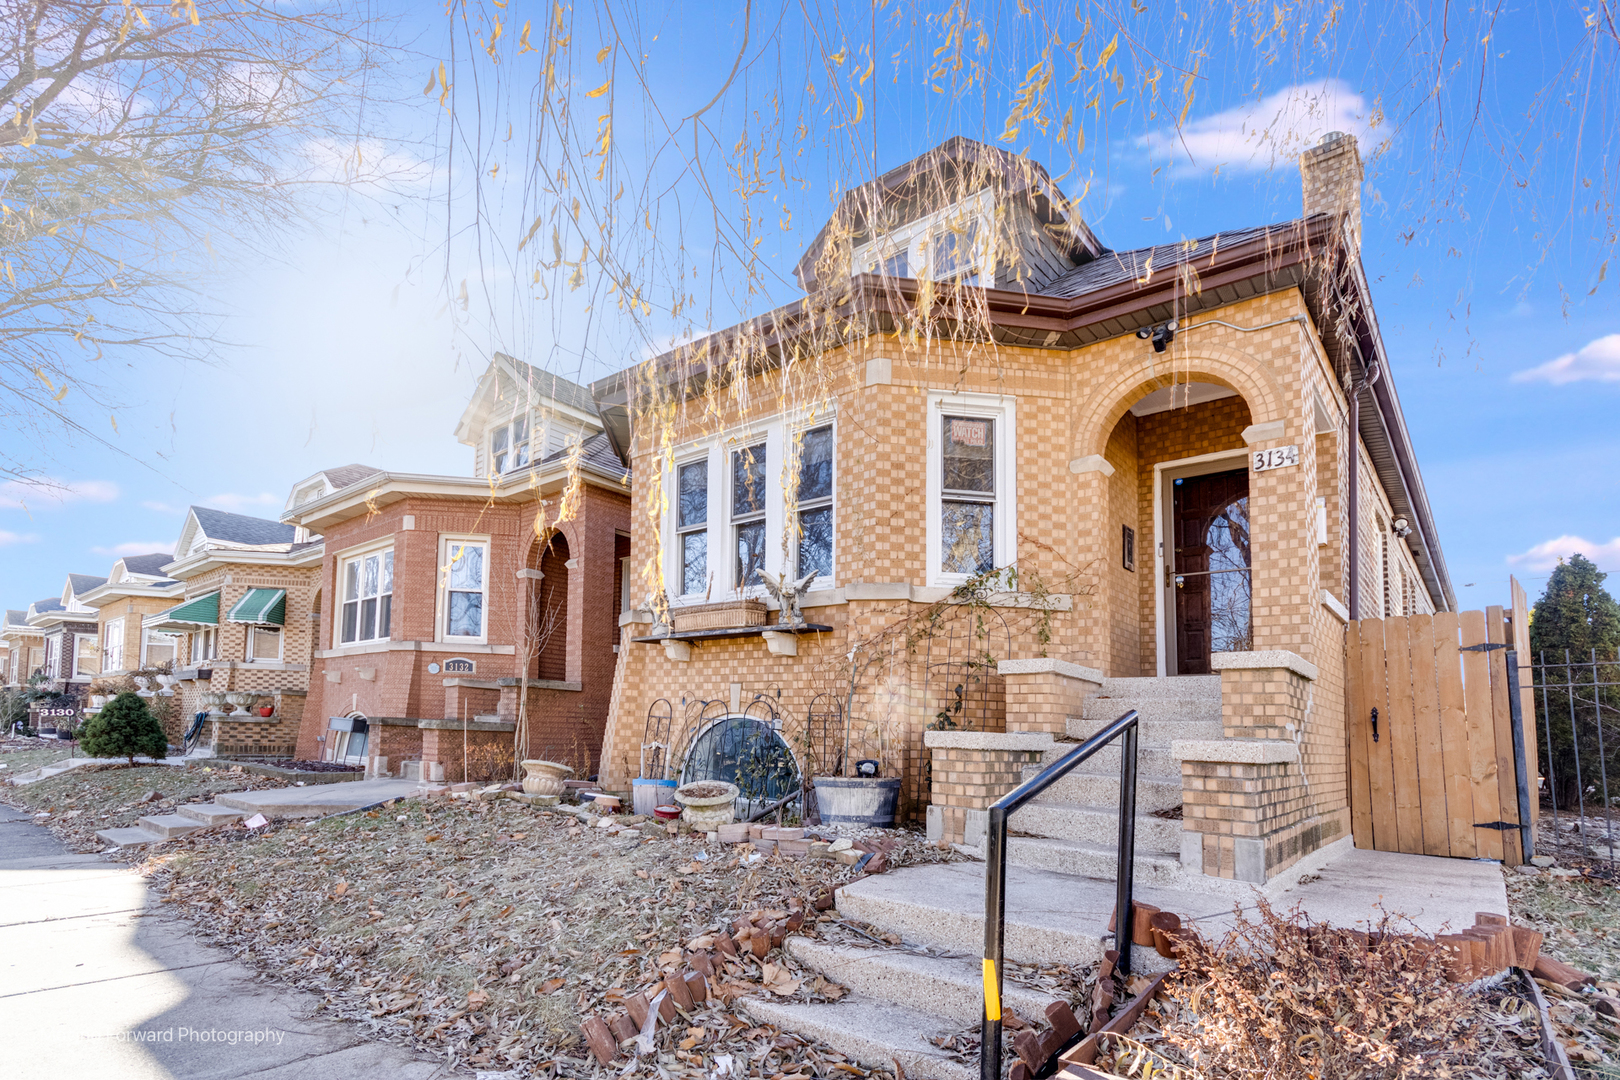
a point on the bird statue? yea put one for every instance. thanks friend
(788, 594)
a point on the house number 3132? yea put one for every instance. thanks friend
(1278, 458)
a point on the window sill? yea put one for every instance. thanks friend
(735, 632)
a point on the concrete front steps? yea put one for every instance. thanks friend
(901, 997)
(157, 828)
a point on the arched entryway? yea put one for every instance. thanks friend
(548, 628)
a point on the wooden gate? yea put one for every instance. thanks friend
(1435, 774)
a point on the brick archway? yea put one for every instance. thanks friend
(1236, 370)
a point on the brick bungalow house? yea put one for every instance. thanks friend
(1193, 455)
(135, 587)
(240, 622)
(457, 603)
(25, 647)
(71, 636)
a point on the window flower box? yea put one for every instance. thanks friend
(722, 616)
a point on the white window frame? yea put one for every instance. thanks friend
(449, 546)
(112, 645)
(202, 645)
(357, 558)
(1003, 409)
(915, 239)
(281, 639)
(53, 658)
(830, 502)
(519, 454)
(736, 522)
(78, 655)
(147, 642)
(677, 572)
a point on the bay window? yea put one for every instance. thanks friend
(691, 525)
(465, 584)
(814, 516)
(748, 513)
(264, 643)
(86, 656)
(204, 645)
(157, 649)
(366, 584)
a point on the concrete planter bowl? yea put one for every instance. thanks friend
(547, 779)
(869, 802)
(709, 803)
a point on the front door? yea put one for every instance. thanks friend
(1209, 567)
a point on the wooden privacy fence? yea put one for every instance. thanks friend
(1432, 764)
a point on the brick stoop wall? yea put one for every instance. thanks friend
(487, 745)
(971, 770)
(1249, 810)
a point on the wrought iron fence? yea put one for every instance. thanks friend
(1578, 723)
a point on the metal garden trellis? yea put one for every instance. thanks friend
(1578, 690)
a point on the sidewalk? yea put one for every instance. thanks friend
(97, 979)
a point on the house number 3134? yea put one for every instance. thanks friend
(1278, 458)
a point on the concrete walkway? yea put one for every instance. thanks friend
(96, 979)
(318, 800)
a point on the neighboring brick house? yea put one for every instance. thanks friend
(25, 647)
(135, 588)
(447, 594)
(1101, 403)
(71, 637)
(242, 622)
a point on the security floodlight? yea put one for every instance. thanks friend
(1402, 527)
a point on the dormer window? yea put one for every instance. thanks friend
(947, 245)
(509, 446)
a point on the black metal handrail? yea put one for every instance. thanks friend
(995, 874)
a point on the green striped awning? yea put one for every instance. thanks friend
(262, 607)
(203, 611)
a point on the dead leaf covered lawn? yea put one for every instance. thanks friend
(485, 932)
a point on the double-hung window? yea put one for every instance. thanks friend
(465, 582)
(509, 445)
(748, 513)
(86, 656)
(112, 649)
(814, 513)
(367, 584)
(692, 525)
(967, 505)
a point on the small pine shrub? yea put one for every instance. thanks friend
(123, 728)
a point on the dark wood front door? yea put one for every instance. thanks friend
(1210, 576)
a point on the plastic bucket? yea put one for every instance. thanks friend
(648, 795)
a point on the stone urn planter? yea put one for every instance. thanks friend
(166, 685)
(143, 686)
(214, 700)
(241, 699)
(546, 779)
(709, 803)
(97, 700)
(866, 801)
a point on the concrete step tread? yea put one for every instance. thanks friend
(1182, 686)
(874, 1033)
(946, 986)
(1143, 855)
(210, 813)
(167, 825)
(129, 837)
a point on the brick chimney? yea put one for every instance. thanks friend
(1331, 172)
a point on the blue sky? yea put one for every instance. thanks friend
(1504, 344)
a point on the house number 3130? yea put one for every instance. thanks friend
(1278, 458)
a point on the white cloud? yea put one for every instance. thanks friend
(1598, 360)
(49, 491)
(135, 547)
(7, 538)
(1545, 556)
(1279, 127)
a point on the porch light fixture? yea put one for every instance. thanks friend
(1401, 527)
(1161, 335)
